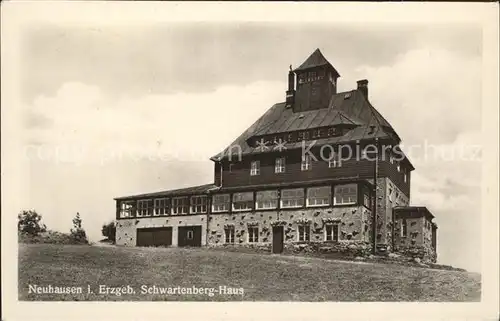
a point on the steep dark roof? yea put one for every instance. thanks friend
(200, 189)
(316, 59)
(350, 107)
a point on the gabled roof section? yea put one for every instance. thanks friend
(349, 108)
(316, 59)
(200, 189)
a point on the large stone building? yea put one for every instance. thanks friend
(306, 176)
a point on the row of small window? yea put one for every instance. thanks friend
(298, 136)
(279, 165)
(161, 206)
(289, 198)
(311, 76)
(346, 194)
(304, 233)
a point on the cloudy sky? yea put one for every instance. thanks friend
(117, 110)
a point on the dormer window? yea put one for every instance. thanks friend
(316, 133)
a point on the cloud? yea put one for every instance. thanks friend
(427, 94)
(201, 57)
(94, 127)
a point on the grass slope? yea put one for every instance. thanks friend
(263, 277)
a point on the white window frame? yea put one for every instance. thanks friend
(306, 232)
(367, 199)
(334, 162)
(338, 189)
(126, 211)
(271, 203)
(196, 201)
(399, 167)
(247, 202)
(255, 168)
(306, 163)
(189, 235)
(296, 199)
(404, 228)
(175, 206)
(317, 188)
(279, 165)
(334, 226)
(254, 236)
(217, 206)
(143, 211)
(229, 238)
(158, 208)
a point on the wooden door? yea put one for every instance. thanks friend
(158, 236)
(278, 239)
(189, 235)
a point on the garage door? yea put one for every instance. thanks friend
(190, 235)
(158, 236)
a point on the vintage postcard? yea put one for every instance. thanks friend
(267, 156)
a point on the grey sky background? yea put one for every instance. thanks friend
(134, 109)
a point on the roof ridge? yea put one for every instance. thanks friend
(375, 113)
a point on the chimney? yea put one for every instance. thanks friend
(363, 87)
(290, 93)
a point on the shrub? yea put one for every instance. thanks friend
(77, 232)
(30, 222)
(109, 231)
(48, 237)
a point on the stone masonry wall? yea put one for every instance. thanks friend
(416, 243)
(126, 229)
(354, 226)
(388, 196)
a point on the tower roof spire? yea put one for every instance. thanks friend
(316, 59)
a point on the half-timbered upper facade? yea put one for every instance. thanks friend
(305, 171)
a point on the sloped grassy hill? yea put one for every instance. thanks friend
(263, 277)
